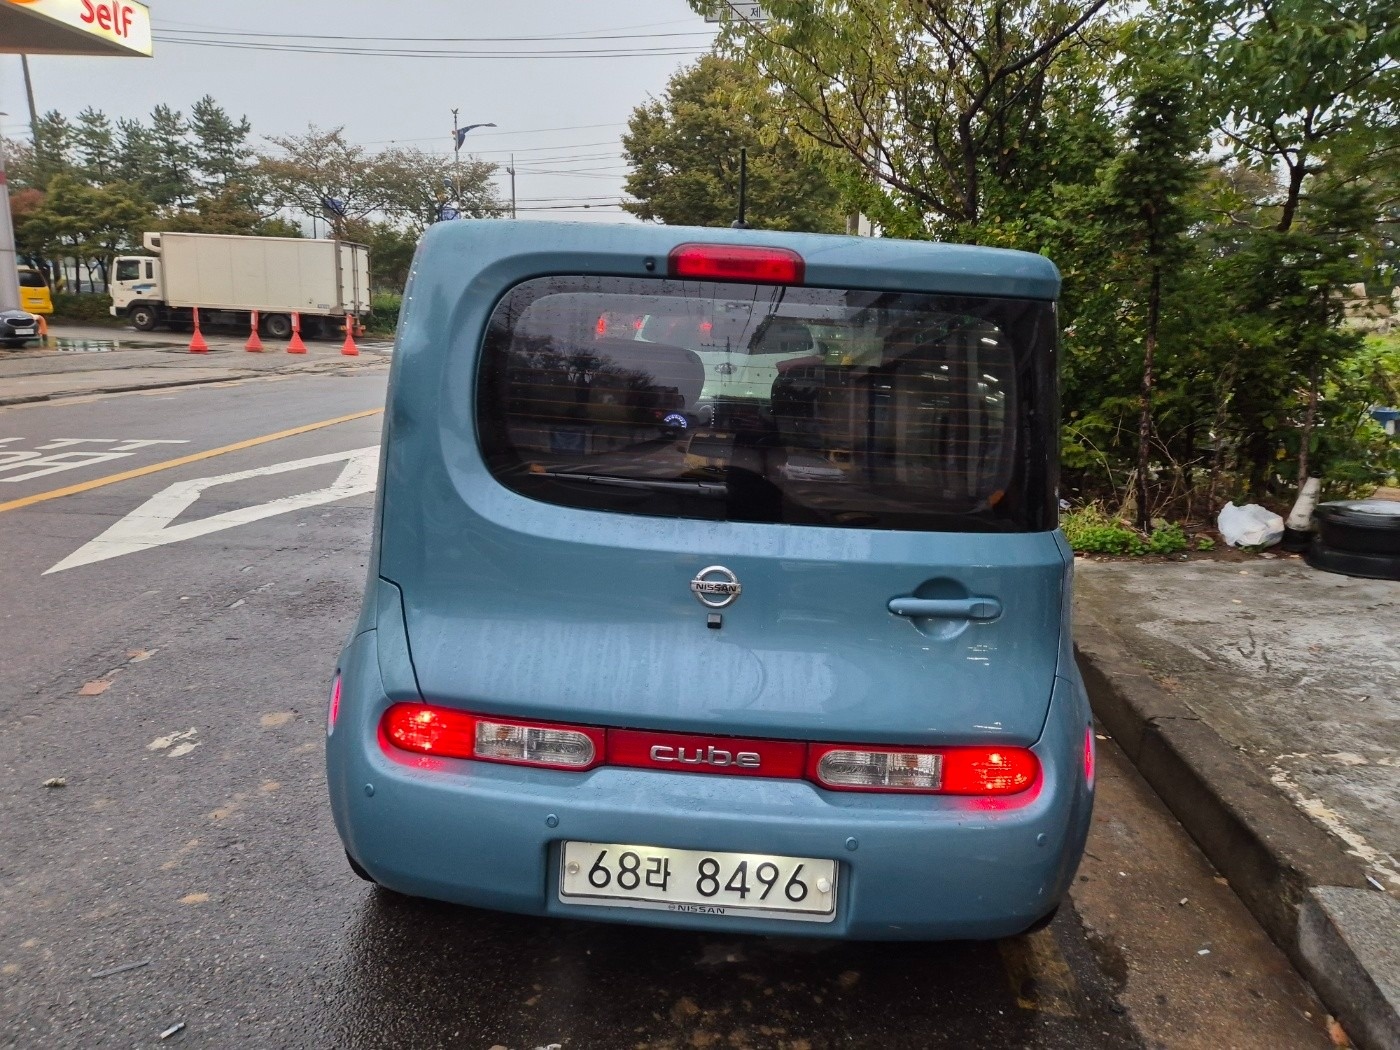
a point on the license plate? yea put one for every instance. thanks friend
(698, 882)
(25, 331)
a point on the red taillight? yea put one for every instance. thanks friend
(737, 262)
(707, 327)
(934, 771)
(602, 326)
(1089, 756)
(449, 733)
(988, 770)
(333, 713)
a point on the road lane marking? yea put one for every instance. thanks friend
(141, 472)
(149, 525)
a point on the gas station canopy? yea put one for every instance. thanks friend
(75, 27)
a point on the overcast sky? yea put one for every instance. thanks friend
(559, 114)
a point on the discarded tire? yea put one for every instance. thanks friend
(1353, 563)
(1366, 526)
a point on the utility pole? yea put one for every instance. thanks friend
(9, 270)
(741, 223)
(29, 91)
(511, 169)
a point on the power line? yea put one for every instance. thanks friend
(561, 37)
(365, 52)
(498, 134)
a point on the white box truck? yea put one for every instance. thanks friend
(228, 277)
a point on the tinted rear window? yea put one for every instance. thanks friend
(31, 279)
(758, 403)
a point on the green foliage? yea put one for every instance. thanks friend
(384, 313)
(1090, 530)
(946, 109)
(684, 153)
(83, 309)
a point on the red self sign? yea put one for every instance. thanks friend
(114, 17)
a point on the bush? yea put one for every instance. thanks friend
(83, 309)
(384, 313)
(1091, 531)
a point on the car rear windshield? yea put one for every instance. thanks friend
(31, 279)
(815, 406)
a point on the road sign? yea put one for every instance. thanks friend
(152, 523)
(736, 12)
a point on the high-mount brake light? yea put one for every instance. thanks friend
(942, 771)
(448, 733)
(737, 262)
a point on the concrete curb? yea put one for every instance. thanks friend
(1307, 893)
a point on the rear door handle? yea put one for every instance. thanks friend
(947, 608)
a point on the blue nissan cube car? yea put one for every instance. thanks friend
(646, 643)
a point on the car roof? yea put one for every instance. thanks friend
(505, 252)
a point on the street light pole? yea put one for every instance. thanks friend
(511, 169)
(459, 134)
(9, 262)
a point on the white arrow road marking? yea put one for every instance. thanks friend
(149, 525)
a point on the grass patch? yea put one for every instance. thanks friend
(1090, 530)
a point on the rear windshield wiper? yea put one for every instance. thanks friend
(690, 488)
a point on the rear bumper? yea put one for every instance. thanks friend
(911, 867)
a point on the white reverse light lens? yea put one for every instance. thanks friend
(510, 743)
(896, 770)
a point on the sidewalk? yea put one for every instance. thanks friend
(1261, 699)
(93, 360)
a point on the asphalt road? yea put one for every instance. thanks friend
(166, 640)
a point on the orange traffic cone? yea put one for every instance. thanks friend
(350, 349)
(43, 330)
(197, 343)
(254, 344)
(296, 346)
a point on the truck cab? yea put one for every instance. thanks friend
(136, 290)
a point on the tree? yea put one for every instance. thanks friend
(86, 223)
(53, 141)
(942, 105)
(684, 153)
(1307, 93)
(320, 166)
(220, 146)
(1145, 190)
(135, 154)
(170, 179)
(414, 185)
(94, 145)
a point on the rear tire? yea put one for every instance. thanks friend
(142, 318)
(277, 326)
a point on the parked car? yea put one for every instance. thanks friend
(17, 327)
(34, 295)
(810, 672)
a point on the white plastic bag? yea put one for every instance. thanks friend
(1249, 526)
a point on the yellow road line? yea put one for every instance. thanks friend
(140, 472)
